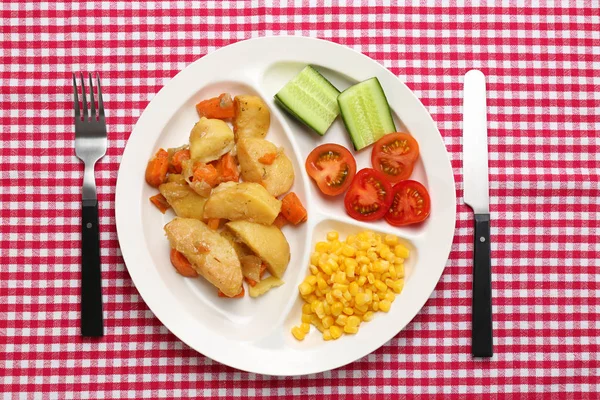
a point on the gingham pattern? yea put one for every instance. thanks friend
(542, 63)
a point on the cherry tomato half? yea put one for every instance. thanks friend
(332, 167)
(369, 196)
(410, 204)
(395, 155)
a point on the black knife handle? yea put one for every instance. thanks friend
(482, 339)
(91, 279)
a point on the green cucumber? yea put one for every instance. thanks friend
(366, 113)
(311, 99)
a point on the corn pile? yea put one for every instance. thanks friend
(349, 281)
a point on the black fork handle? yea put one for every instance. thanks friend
(92, 324)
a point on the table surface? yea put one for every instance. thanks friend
(543, 69)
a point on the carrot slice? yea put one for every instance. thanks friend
(237, 296)
(292, 209)
(220, 107)
(182, 265)
(156, 170)
(207, 173)
(213, 223)
(227, 168)
(160, 202)
(280, 221)
(267, 158)
(178, 159)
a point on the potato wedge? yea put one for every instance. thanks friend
(252, 117)
(177, 178)
(185, 202)
(242, 201)
(240, 248)
(264, 286)
(211, 255)
(277, 177)
(210, 139)
(267, 242)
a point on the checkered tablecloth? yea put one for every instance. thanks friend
(542, 64)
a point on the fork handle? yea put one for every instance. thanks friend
(91, 284)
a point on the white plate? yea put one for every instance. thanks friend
(254, 334)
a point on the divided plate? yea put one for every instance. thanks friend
(254, 334)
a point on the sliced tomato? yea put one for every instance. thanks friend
(332, 167)
(410, 204)
(369, 196)
(395, 155)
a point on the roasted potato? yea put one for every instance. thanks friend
(178, 178)
(264, 286)
(277, 177)
(252, 117)
(267, 242)
(211, 255)
(210, 139)
(248, 201)
(240, 248)
(185, 202)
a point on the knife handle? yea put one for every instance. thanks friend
(91, 279)
(482, 339)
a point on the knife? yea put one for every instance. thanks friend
(476, 195)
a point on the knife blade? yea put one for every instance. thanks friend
(476, 195)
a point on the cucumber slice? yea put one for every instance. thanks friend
(311, 99)
(366, 113)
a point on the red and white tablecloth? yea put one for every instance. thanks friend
(542, 63)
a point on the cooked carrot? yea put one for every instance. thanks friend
(213, 223)
(292, 209)
(237, 296)
(207, 173)
(182, 265)
(156, 170)
(227, 168)
(178, 159)
(220, 107)
(267, 158)
(280, 221)
(160, 202)
(252, 282)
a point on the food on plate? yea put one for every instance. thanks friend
(252, 267)
(210, 139)
(252, 117)
(160, 202)
(275, 172)
(242, 201)
(240, 248)
(280, 221)
(182, 265)
(264, 286)
(237, 296)
(177, 178)
(410, 204)
(332, 167)
(349, 281)
(227, 168)
(157, 168)
(311, 99)
(176, 158)
(292, 209)
(395, 155)
(267, 242)
(369, 196)
(220, 107)
(210, 254)
(185, 202)
(366, 113)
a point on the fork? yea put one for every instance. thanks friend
(90, 146)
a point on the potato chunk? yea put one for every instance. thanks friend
(247, 201)
(185, 202)
(252, 117)
(211, 255)
(267, 242)
(277, 177)
(210, 139)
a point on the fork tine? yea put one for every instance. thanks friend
(100, 101)
(76, 99)
(92, 102)
(84, 98)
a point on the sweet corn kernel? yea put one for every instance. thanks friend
(327, 335)
(321, 284)
(319, 293)
(382, 287)
(385, 276)
(320, 311)
(348, 251)
(341, 286)
(337, 293)
(327, 321)
(306, 318)
(360, 299)
(371, 277)
(401, 251)
(372, 255)
(375, 297)
(314, 269)
(347, 296)
(306, 309)
(332, 264)
(311, 280)
(304, 327)
(353, 288)
(340, 277)
(353, 321)
(363, 309)
(306, 288)
(390, 257)
(375, 306)
(336, 332)
(322, 247)
(310, 298)
(336, 308)
(335, 246)
(341, 319)
(368, 316)
(351, 271)
(326, 308)
(314, 257)
(351, 239)
(333, 235)
(384, 305)
(325, 267)
(398, 286)
(348, 311)
(364, 245)
(400, 271)
(350, 329)
(298, 333)
(362, 280)
(391, 240)
(320, 327)
(389, 296)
